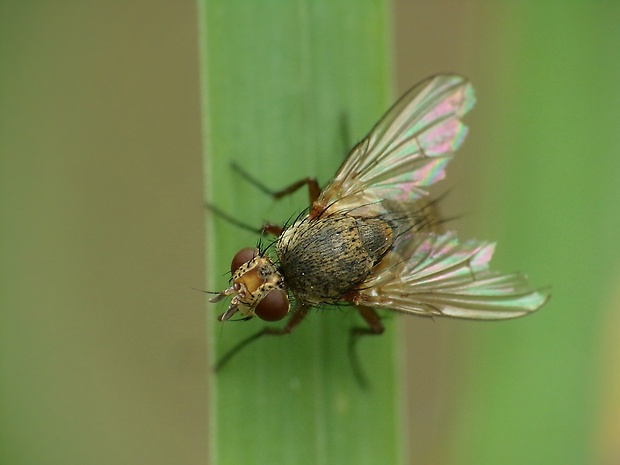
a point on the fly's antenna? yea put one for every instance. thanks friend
(203, 291)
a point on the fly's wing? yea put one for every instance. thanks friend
(407, 150)
(435, 275)
(425, 272)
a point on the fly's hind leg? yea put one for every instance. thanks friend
(297, 316)
(313, 186)
(375, 328)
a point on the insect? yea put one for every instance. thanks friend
(372, 237)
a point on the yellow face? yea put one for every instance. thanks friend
(258, 289)
(255, 279)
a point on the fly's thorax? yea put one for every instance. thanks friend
(324, 258)
(257, 288)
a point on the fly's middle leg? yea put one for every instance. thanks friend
(313, 186)
(268, 228)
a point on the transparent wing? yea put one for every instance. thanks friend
(408, 148)
(435, 275)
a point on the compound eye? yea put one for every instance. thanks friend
(273, 307)
(241, 257)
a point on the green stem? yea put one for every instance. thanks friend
(282, 82)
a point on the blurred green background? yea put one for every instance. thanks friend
(102, 341)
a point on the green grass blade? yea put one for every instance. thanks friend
(287, 87)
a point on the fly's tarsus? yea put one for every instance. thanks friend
(267, 228)
(297, 317)
(232, 220)
(313, 187)
(375, 328)
(227, 357)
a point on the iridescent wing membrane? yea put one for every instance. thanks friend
(425, 273)
(435, 275)
(408, 149)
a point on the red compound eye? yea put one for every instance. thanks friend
(273, 307)
(241, 257)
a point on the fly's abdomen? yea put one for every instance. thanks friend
(324, 258)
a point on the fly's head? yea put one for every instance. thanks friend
(257, 288)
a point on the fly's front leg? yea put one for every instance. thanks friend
(267, 228)
(231, 219)
(299, 313)
(375, 328)
(313, 187)
(273, 229)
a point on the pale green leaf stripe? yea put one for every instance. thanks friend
(284, 84)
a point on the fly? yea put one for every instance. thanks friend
(372, 237)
